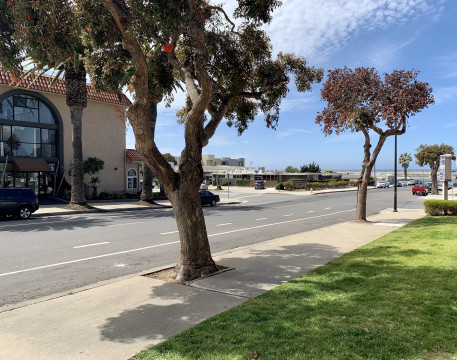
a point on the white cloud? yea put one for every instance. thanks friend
(218, 140)
(303, 103)
(448, 65)
(349, 137)
(318, 29)
(291, 132)
(445, 94)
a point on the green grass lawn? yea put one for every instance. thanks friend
(395, 298)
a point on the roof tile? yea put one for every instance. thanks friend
(133, 155)
(43, 84)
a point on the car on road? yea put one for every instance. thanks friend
(259, 185)
(420, 189)
(207, 197)
(18, 202)
(381, 185)
(203, 187)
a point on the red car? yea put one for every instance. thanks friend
(420, 189)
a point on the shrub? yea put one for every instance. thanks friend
(440, 207)
(242, 182)
(225, 183)
(289, 185)
(279, 186)
(214, 183)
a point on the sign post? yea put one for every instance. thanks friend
(445, 172)
(227, 175)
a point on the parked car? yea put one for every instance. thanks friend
(203, 187)
(428, 185)
(207, 197)
(419, 189)
(20, 202)
(440, 185)
(381, 185)
(399, 184)
(412, 182)
(259, 185)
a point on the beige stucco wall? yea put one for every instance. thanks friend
(103, 137)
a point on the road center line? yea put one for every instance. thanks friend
(260, 219)
(170, 232)
(311, 211)
(88, 258)
(224, 224)
(289, 215)
(81, 246)
(280, 223)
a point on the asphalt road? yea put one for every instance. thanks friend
(53, 255)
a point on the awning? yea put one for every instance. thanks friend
(32, 165)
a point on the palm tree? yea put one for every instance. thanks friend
(404, 160)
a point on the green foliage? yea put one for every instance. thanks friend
(279, 186)
(225, 183)
(291, 169)
(93, 165)
(310, 168)
(242, 182)
(329, 171)
(440, 207)
(430, 155)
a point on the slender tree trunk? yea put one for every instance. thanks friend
(434, 176)
(77, 170)
(148, 176)
(405, 171)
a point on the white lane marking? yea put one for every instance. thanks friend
(280, 223)
(170, 232)
(242, 197)
(81, 246)
(132, 223)
(224, 224)
(260, 219)
(311, 211)
(327, 208)
(89, 258)
(289, 215)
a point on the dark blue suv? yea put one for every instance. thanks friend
(20, 202)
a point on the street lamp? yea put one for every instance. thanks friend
(395, 176)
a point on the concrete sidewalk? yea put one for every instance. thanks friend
(117, 319)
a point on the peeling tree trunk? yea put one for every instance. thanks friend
(148, 176)
(195, 257)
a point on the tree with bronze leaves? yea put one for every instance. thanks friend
(47, 34)
(358, 100)
(227, 72)
(430, 155)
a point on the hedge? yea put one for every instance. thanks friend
(242, 182)
(440, 207)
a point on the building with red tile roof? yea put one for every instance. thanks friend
(36, 137)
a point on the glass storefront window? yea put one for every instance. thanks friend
(46, 116)
(29, 150)
(48, 151)
(6, 109)
(27, 134)
(48, 136)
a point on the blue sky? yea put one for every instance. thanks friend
(385, 34)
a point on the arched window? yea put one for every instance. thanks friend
(132, 179)
(28, 128)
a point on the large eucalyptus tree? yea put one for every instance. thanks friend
(227, 72)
